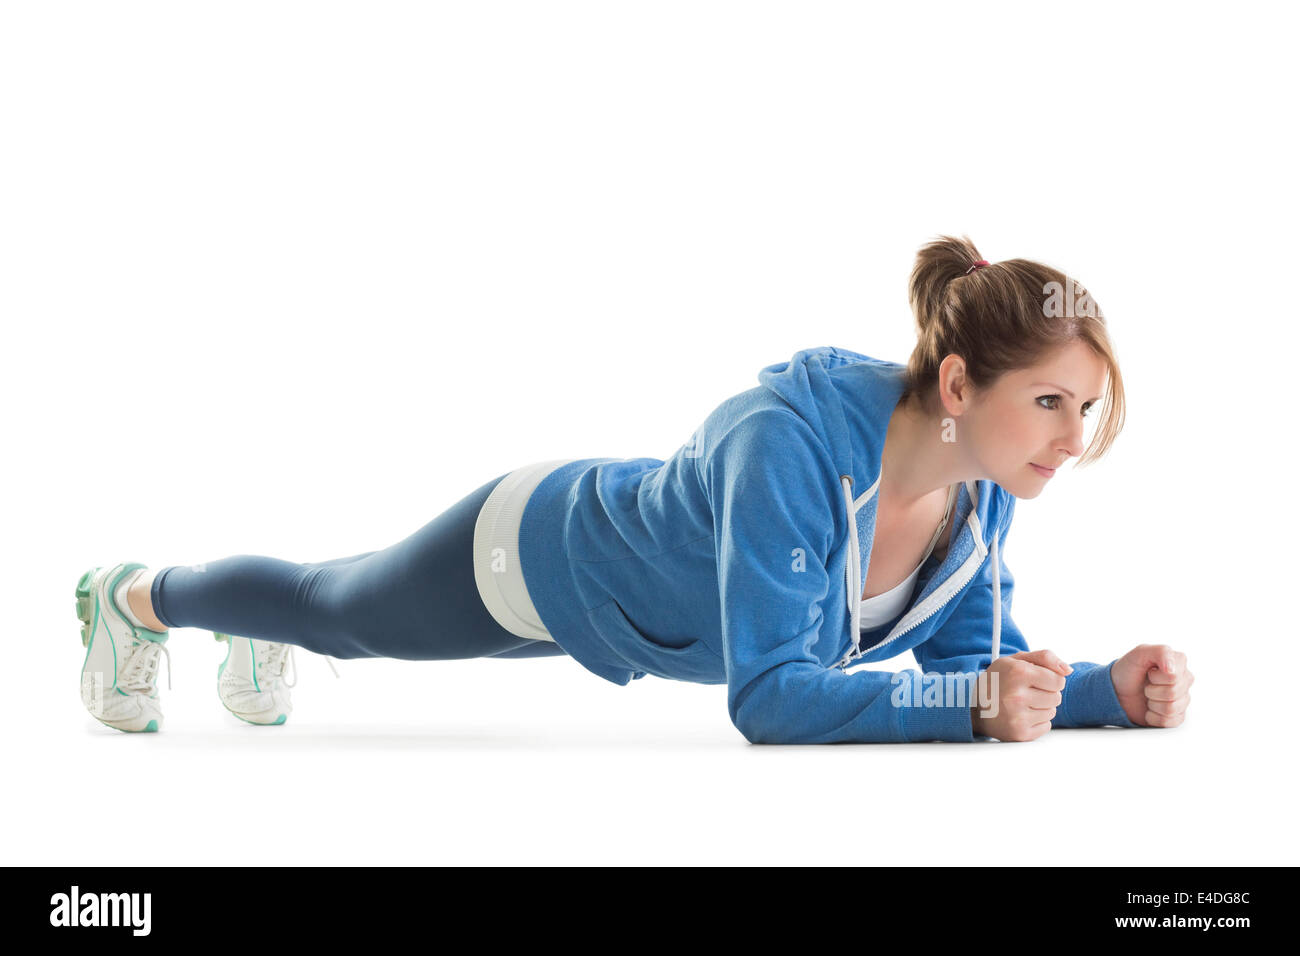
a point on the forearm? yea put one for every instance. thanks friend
(794, 704)
(1089, 699)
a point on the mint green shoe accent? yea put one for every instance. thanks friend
(259, 723)
(253, 654)
(149, 728)
(230, 646)
(85, 606)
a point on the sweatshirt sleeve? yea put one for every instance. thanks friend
(964, 643)
(775, 504)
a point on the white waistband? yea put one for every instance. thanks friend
(497, 569)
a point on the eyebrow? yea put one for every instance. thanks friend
(1061, 387)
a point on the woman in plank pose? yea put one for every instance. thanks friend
(846, 509)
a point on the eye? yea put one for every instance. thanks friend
(1056, 407)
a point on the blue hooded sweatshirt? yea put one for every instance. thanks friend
(741, 560)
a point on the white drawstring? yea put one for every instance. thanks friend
(973, 490)
(997, 599)
(852, 572)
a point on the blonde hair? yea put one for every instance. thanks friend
(1002, 317)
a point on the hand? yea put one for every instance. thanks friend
(1029, 686)
(1151, 682)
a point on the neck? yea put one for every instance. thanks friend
(916, 460)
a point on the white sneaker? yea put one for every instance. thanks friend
(121, 664)
(251, 681)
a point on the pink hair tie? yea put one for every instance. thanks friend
(978, 263)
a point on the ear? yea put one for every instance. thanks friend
(955, 389)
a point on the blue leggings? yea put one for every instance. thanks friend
(415, 600)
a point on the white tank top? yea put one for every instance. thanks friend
(882, 608)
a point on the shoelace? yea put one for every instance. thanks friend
(142, 667)
(287, 651)
(276, 657)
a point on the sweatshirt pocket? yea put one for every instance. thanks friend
(695, 662)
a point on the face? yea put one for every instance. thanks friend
(1032, 417)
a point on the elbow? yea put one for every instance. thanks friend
(757, 733)
(759, 723)
(752, 732)
(776, 705)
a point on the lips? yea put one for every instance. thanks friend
(1050, 471)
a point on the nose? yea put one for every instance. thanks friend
(1071, 444)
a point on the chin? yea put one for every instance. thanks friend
(1024, 486)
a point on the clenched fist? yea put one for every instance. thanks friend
(1151, 682)
(1029, 686)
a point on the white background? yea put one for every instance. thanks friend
(292, 278)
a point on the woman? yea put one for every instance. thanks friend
(799, 531)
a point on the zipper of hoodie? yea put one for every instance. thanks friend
(973, 563)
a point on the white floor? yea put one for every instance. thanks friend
(466, 762)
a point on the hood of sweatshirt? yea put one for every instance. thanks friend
(847, 398)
